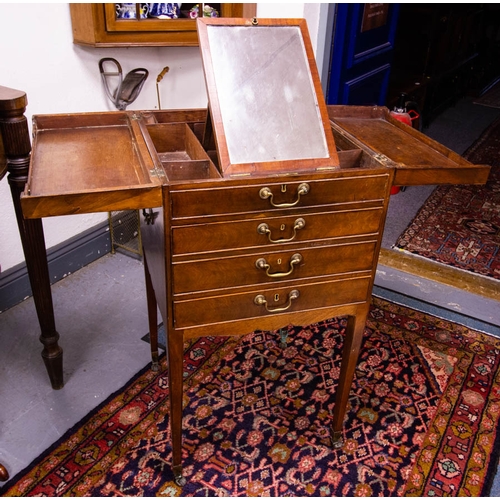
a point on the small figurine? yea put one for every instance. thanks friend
(207, 11)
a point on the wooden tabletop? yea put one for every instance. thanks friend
(10, 100)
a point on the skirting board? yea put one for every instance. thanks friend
(63, 259)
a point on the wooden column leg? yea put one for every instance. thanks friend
(38, 270)
(350, 352)
(152, 317)
(16, 141)
(175, 356)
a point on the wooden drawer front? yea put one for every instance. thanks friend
(246, 198)
(211, 274)
(244, 233)
(223, 308)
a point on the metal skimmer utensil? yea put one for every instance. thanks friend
(128, 88)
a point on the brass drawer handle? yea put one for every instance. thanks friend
(264, 229)
(262, 264)
(266, 193)
(260, 300)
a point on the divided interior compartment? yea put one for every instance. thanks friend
(181, 153)
(350, 154)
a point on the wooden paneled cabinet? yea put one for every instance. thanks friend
(96, 25)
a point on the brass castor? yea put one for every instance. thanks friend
(179, 479)
(336, 437)
(155, 366)
(4, 475)
(283, 338)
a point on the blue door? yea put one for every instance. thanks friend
(362, 47)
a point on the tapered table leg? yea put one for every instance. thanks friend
(350, 352)
(15, 137)
(175, 356)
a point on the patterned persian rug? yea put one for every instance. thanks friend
(422, 418)
(460, 225)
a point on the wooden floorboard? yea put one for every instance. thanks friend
(441, 273)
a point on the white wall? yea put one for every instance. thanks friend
(39, 57)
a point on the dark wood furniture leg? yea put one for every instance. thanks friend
(352, 344)
(152, 318)
(17, 147)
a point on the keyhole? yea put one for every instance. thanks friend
(279, 261)
(276, 297)
(283, 188)
(282, 227)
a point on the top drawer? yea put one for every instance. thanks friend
(230, 198)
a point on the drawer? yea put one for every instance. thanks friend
(220, 236)
(237, 198)
(272, 267)
(246, 305)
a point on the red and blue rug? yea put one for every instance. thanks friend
(422, 418)
(460, 225)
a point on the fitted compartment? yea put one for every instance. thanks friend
(180, 153)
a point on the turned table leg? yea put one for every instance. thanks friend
(17, 147)
(350, 352)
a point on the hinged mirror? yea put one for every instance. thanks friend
(265, 98)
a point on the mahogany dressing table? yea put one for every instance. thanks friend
(266, 210)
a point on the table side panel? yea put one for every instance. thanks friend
(36, 207)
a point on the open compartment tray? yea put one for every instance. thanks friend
(417, 159)
(180, 153)
(92, 162)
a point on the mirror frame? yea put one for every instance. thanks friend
(214, 110)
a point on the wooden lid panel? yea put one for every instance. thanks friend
(417, 158)
(84, 160)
